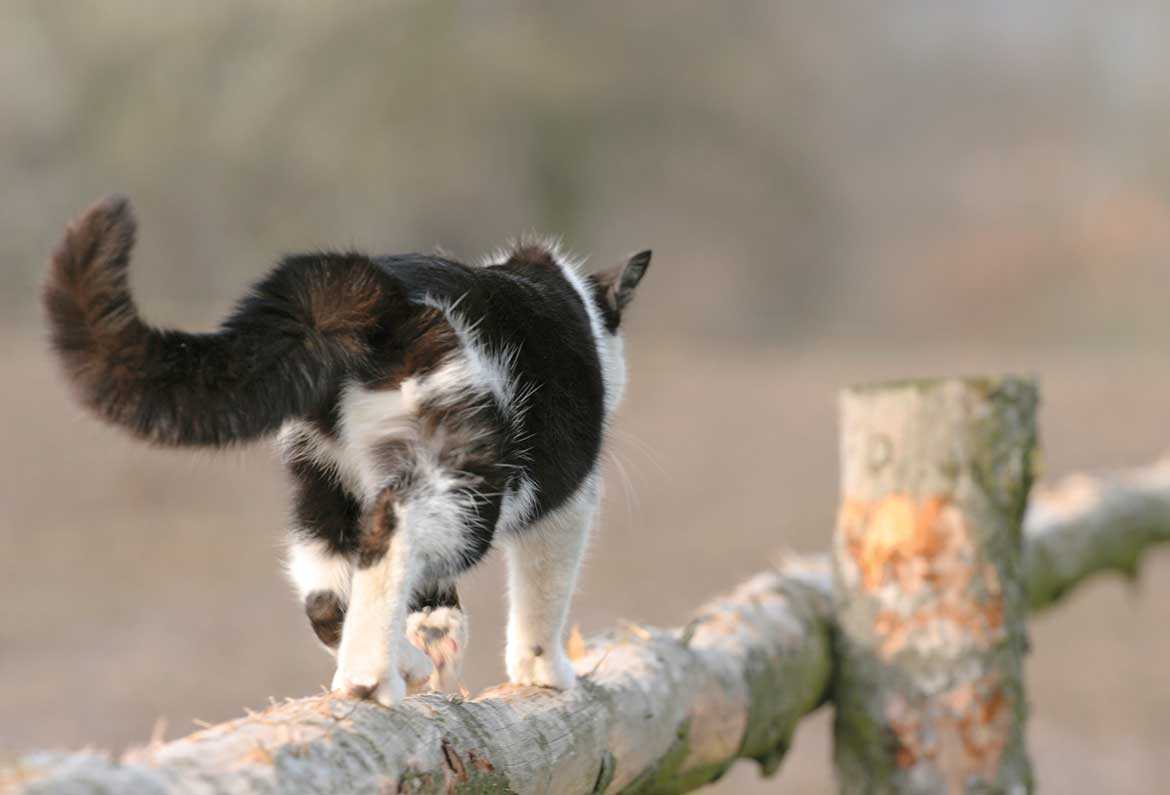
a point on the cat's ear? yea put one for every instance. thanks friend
(615, 286)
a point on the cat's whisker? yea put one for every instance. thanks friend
(624, 477)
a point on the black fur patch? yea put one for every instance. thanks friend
(323, 510)
(437, 593)
(614, 289)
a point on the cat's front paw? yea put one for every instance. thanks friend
(536, 665)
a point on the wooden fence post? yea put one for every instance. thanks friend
(930, 597)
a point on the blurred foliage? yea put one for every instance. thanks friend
(849, 170)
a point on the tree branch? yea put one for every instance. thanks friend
(1088, 524)
(654, 710)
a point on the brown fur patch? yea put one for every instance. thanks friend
(346, 301)
(533, 255)
(94, 325)
(425, 340)
(378, 530)
(327, 614)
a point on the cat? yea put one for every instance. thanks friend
(427, 411)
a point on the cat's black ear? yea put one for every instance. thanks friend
(615, 286)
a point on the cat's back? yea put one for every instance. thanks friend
(524, 324)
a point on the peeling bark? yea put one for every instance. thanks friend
(929, 596)
(654, 711)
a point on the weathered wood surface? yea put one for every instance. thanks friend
(756, 662)
(655, 710)
(929, 598)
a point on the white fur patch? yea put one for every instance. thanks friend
(312, 567)
(301, 439)
(478, 365)
(517, 507)
(371, 654)
(369, 418)
(610, 348)
(543, 564)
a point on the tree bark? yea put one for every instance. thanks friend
(929, 592)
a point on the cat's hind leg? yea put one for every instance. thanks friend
(322, 536)
(543, 562)
(432, 532)
(321, 578)
(438, 626)
(373, 636)
(324, 546)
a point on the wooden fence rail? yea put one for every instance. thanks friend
(670, 710)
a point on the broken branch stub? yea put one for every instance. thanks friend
(930, 597)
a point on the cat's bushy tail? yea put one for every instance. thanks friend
(279, 354)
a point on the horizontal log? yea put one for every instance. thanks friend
(656, 710)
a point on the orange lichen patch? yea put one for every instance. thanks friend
(924, 548)
(951, 620)
(896, 535)
(963, 731)
(973, 731)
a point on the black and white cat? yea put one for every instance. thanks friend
(427, 411)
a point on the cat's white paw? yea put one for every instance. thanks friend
(387, 688)
(536, 665)
(370, 677)
(442, 634)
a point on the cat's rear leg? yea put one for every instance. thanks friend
(322, 536)
(437, 625)
(373, 636)
(543, 563)
(322, 549)
(321, 578)
(429, 534)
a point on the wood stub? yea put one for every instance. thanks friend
(929, 594)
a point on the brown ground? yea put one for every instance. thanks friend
(141, 583)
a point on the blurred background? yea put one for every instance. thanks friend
(834, 191)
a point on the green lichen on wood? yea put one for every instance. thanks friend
(663, 778)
